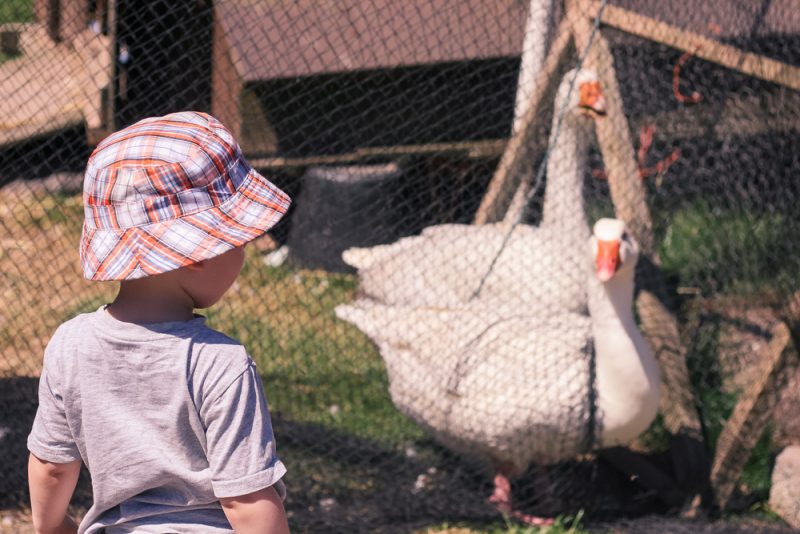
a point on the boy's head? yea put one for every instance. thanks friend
(168, 192)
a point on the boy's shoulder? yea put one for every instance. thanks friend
(209, 351)
(211, 344)
(72, 327)
(204, 338)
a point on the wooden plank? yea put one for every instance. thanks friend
(507, 175)
(658, 323)
(489, 148)
(750, 416)
(728, 56)
(616, 145)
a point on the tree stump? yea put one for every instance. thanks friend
(343, 207)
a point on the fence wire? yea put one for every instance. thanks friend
(434, 148)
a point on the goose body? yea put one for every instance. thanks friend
(443, 267)
(514, 389)
(445, 264)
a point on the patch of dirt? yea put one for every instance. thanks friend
(42, 284)
(16, 522)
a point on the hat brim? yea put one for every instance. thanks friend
(147, 250)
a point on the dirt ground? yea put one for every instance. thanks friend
(15, 522)
(39, 262)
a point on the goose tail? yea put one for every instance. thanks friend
(382, 324)
(359, 257)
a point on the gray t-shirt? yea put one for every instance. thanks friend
(167, 417)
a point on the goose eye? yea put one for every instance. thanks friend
(626, 236)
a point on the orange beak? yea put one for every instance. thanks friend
(607, 260)
(592, 99)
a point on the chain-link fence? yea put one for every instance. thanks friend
(428, 319)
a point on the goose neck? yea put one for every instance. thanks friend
(612, 301)
(566, 167)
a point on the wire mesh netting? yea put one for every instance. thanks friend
(447, 334)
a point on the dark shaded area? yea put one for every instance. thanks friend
(18, 402)
(64, 151)
(334, 210)
(169, 68)
(385, 490)
(338, 113)
(17, 410)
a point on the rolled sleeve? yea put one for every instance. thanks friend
(241, 446)
(51, 439)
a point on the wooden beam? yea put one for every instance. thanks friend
(728, 56)
(750, 416)
(507, 175)
(614, 138)
(658, 323)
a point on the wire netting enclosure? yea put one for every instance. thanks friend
(428, 319)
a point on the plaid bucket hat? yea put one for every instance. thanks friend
(167, 192)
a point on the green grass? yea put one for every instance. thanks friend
(16, 11)
(562, 525)
(317, 369)
(730, 251)
(325, 373)
(724, 254)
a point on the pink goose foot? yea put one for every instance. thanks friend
(501, 499)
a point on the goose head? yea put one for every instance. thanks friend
(613, 248)
(584, 98)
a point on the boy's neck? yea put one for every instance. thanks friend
(154, 299)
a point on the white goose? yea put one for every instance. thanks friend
(514, 390)
(444, 265)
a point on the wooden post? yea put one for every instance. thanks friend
(534, 53)
(749, 418)
(111, 106)
(508, 172)
(658, 323)
(54, 20)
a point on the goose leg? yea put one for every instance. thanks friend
(501, 499)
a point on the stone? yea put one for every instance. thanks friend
(784, 497)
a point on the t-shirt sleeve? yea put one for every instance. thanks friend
(241, 445)
(51, 439)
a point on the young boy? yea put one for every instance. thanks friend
(167, 414)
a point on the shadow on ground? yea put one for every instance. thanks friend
(343, 483)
